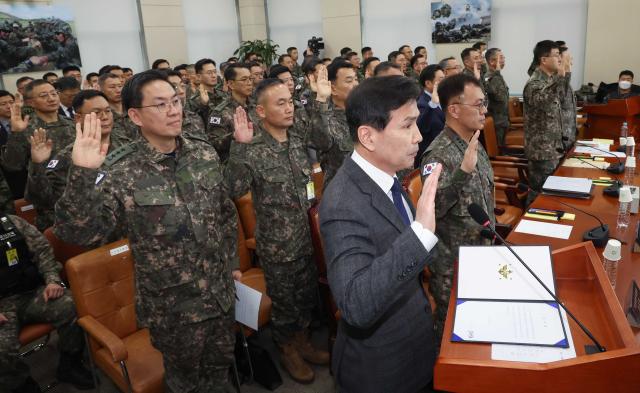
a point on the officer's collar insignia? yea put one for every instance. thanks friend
(100, 177)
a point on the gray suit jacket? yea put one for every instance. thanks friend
(385, 339)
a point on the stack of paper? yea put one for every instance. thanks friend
(597, 151)
(573, 187)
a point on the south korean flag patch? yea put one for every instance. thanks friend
(215, 120)
(52, 164)
(100, 177)
(428, 168)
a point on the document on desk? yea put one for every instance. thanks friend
(495, 273)
(569, 185)
(586, 163)
(247, 305)
(530, 323)
(559, 231)
(535, 354)
(597, 151)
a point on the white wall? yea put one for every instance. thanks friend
(292, 23)
(516, 27)
(212, 29)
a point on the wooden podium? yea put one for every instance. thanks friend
(605, 120)
(582, 285)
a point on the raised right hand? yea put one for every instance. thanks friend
(41, 147)
(204, 96)
(243, 128)
(435, 98)
(471, 154)
(88, 149)
(18, 124)
(321, 85)
(426, 207)
(476, 71)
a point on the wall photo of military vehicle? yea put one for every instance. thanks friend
(456, 21)
(37, 38)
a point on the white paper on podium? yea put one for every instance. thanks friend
(598, 153)
(532, 323)
(535, 354)
(539, 228)
(247, 305)
(494, 273)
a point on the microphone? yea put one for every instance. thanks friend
(613, 168)
(598, 235)
(480, 216)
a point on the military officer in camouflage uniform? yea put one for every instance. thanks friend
(191, 122)
(271, 161)
(111, 85)
(333, 141)
(219, 130)
(472, 62)
(31, 291)
(497, 93)
(301, 115)
(168, 193)
(543, 127)
(208, 94)
(568, 102)
(466, 178)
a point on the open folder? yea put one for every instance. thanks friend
(572, 187)
(499, 301)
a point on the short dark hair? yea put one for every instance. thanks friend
(157, 63)
(478, 44)
(415, 58)
(443, 62)
(201, 63)
(231, 71)
(180, 67)
(90, 75)
(4, 93)
(172, 73)
(70, 68)
(232, 59)
(429, 73)
(28, 89)
(418, 49)
(276, 70)
(402, 47)
(345, 50)
(66, 83)
(350, 55)
(102, 78)
(453, 86)
(252, 64)
(365, 50)
(282, 57)
(392, 55)
(108, 68)
(335, 66)
(48, 74)
(491, 52)
(248, 55)
(372, 101)
(368, 61)
(561, 43)
(543, 49)
(22, 79)
(132, 91)
(291, 49)
(466, 52)
(265, 85)
(384, 66)
(309, 64)
(85, 95)
(127, 69)
(625, 72)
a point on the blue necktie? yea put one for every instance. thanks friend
(396, 194)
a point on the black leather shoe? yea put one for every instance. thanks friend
(71, 370)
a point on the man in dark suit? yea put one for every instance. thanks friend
(431, 119)
(67, 88)
(377, 246)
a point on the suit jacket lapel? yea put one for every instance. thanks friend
(379, 200)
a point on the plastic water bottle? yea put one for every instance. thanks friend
(624, 211)
(630, 170)
(611, 258)
(624, 130)
(630, 146)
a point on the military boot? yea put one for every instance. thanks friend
(297, 368)
(71, 370)
(307, 351)
(29, 386)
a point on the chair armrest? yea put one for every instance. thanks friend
(251, 243)
(105, 337)
(510, 159)
(505, 180)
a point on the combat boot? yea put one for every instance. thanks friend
(71, 370)
(307, 351)
(29, 386)
(297, 368)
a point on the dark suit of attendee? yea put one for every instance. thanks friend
(430, 122)
(376, 252)
(66, 112)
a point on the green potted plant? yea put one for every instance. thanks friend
(263, 48)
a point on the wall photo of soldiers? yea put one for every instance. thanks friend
(455, 21)
(37, 38)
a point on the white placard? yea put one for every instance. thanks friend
(247, 305)
(559, 231)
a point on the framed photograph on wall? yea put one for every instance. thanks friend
(456, 21)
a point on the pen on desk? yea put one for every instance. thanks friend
(546, 212)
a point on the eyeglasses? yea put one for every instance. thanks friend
(53, 94)
(210, 72)
(98, 113)
(479, 106)
(286, 80)
(243, 80)
(165, 107)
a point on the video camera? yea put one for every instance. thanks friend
(315, 44)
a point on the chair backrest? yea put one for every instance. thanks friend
(25, 210)
(316, 240)
(61, 250)
(515, 108)
(412, 184)
(247, 214)
(102, 283)
(318, 180)
(490, 138)
(243, 251)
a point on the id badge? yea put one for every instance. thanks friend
(311, 190)
(12, 256)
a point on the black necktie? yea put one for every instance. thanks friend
(396, 194)
(4, 134)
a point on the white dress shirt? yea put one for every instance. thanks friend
(385, 182)
(432, 104)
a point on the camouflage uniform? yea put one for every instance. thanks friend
(543, 127)
(219, 126)
(182, 228)
(330, 136)
(16, 154)
(498, 95)
(6, 197)
(193, 103)
(277, 175)
(192, 124)
(124, 130)
(469, 72)
(568, 104)
(455, 227)
(30, 307)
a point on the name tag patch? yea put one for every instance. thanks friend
(100, 177)
(52, 164)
